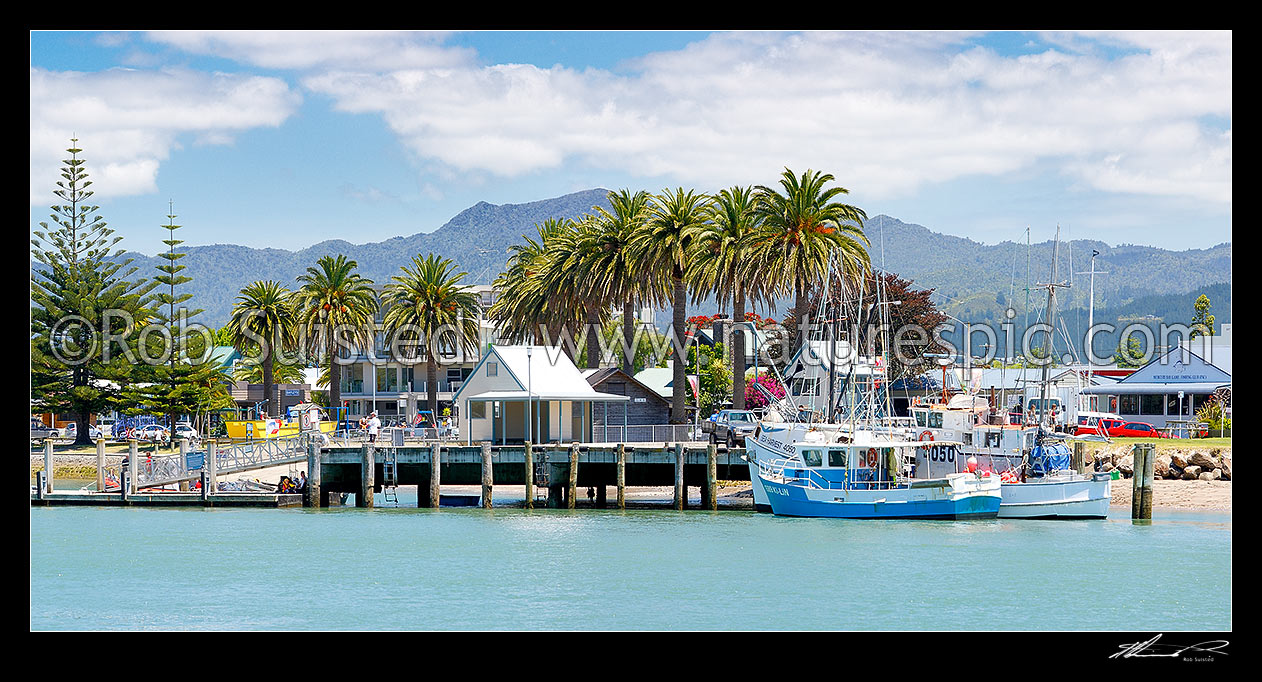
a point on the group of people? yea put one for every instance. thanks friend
(372, 425)
(291, 485)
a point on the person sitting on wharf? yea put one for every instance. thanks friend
(302, 482)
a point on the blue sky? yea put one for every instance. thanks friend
(286, 139)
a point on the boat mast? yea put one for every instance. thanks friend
(1051, 322)
(1091, 313)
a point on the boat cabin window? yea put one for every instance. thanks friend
(920, 418)
(813, 458)
(837, 457)
(1029, 440)
(993, 439)
(935, 420)
(968, 437)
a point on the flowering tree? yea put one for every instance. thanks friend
(755, 398)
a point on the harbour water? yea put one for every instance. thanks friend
(509, 568)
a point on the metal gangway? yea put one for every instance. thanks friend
(160, 470)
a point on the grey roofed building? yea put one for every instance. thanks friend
(1151, 393)
(646, 406)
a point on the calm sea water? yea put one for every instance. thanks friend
(407, 568)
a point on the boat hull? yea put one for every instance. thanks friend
(903, 503)
(1081, 498)
(760, 494)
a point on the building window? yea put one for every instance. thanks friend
(477, 410)
(1173, 408)
(1152, 404)
(1128, 404)
(492, 369)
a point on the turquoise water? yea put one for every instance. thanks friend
(406, 568)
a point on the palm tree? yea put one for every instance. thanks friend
(721, 268)
(798, 233)
(335, 304)
(528, 301)
(427, 303)
(665, 244)
(570, 279)
(264, 318)
(618, 274)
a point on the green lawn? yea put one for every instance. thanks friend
(1166, 443)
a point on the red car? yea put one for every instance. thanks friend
(1116, 428)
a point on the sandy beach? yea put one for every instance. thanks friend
(1184, 495)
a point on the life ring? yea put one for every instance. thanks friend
(872, 457)
(925, 433)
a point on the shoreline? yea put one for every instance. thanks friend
(1193, 495)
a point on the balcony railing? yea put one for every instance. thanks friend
(358, 388)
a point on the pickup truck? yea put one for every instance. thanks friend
(39, 431)
(730, 426)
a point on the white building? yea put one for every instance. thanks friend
(520, 393)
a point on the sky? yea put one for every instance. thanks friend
(285, 139)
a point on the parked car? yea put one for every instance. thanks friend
(152, 432)
(72, 430)
(731, 427)
(184, 430)
(1117, 428)
(40, 430)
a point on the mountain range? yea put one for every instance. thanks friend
(973, 281)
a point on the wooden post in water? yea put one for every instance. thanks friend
(681, 492)
(48, 465)
(367, 476)
(1141, 479)
(488, 474)
(711, 477)
(622, 475)
(529, 465)
(435, 473)
(1079, 460)
(133, 459)
(100, 464)
(212, 469)
(313, 478)
(571, 486)
(184, 462)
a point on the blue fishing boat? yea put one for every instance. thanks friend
(871, 477)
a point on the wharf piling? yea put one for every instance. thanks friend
(571, 486)
(529, 471)
(48, 466)
(100, 463)
(488, 475)
(622, 475)
(367, 477)
(435, 474)
(681, 490)
(1141, 481)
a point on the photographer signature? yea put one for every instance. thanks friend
(1151, 649)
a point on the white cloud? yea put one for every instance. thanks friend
(884, 112)
(312, 49)
(127, 121)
